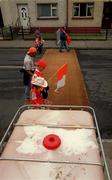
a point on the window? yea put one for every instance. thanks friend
(47, 10)
(83, 9)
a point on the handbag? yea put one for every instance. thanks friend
(68, 39)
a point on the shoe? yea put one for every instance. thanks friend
(60, 50)
(27, 101)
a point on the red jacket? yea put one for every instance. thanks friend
(36, 96)
(38, 73)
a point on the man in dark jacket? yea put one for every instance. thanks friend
(63, 37)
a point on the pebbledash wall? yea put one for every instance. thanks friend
(90, 24)
(10, 14)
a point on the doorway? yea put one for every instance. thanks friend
(23, 15)
(1, 19)
(107, 16)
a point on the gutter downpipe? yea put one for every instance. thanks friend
(67, 13)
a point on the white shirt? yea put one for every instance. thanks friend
(28, 63)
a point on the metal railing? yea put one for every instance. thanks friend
(18, 32)
(57, 107)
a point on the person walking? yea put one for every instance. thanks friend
(37, 32)
(39, 42)
(58, 37)
(28, 70)
(63, 38)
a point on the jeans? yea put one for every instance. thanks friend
(63, 44)
(27, 91)
(40, 49)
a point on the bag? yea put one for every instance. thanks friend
(45, 92)
(68, 39)
(22, 70)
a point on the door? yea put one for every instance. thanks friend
(23, 15)
(1, 19)
(107, 15)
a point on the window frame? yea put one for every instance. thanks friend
(53, 6)
(88, 5)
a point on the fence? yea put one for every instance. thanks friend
(10, 33)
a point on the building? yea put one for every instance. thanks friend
(77, 15)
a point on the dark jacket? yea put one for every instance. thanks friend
(62, 36)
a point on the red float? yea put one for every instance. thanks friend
(51, 141)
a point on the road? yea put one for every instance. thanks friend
(11, 85)
(97, 70)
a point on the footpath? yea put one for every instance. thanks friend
(102, 44)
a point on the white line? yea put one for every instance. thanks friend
(11, 88)
(9, 67)
(107, 140)
(4, 81)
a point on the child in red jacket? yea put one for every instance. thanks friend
(38, 85)
(40, 66)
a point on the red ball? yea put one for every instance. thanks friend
(51, 141)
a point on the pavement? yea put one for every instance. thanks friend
(102, 44)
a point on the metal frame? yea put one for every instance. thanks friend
(43, 161)
(56, 107)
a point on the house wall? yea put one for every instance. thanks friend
(13, 4)
(59, 21)
(86, 23)
(6, 12)
(10, 15)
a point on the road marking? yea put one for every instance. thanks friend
(10, 67)
(107, 140)
(11, 88)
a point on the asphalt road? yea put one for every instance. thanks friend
(11, 85)
(97, 70)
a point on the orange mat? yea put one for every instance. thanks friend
(74, 91)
